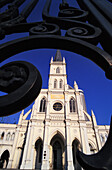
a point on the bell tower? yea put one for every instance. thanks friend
(57, 76)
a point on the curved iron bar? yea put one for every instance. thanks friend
(45, 28)
(101, 160)
(100, 57)
(4, 2)
(33, 28)
(101, 18)
(23, 83)
(39, 39)
(80, 16)
(80, 30)
(93, 33)
(17, 3)
(12, 11)
(19, 19)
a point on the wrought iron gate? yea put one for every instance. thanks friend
(81, 37)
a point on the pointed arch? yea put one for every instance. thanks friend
(57, 151)
(43, 104)
(8, 136)
(72, 105)
(36, 139)
(13, 136)
(57, 70)
(61, 84)
(92, 149)
(76, 140)
(92, 146)
(55, 132)
(102, 138)
(2, 135)
(55, 83)
(106, 136)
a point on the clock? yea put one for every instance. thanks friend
(57, 106)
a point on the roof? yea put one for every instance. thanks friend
(58, 56)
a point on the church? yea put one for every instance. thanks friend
(59, 124)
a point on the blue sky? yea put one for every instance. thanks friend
(90, 78)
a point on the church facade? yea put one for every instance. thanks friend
(59, 124)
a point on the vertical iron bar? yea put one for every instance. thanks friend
(27, 10)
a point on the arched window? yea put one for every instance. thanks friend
(72, 105)
(12, 136)
(8, 136)
(43, 105)
(60, 83)
(55, 83)
(57, 70)
(106, 136)
(92, 149)
(102, 138)
(2, 135)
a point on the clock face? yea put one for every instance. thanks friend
(57, 106)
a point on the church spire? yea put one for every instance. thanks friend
(58, 56)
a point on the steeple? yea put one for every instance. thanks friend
(58, 56)
(57, 76)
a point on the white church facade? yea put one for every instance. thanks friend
(59, 124)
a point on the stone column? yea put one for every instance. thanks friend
(84, 137)
(95, 127)
(30, 156)
(69, 147)
(98, 141)
(25, 162)
(82, 125)
(11, 164)
(68, 137)
(45, 156)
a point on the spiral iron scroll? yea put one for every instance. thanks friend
(23, 83)
(22, 79)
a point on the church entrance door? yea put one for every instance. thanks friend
(38, 158)
(57, 156)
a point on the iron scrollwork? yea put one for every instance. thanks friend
(45, 28)
(101, 160)
(22, 81)
(81, 37)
